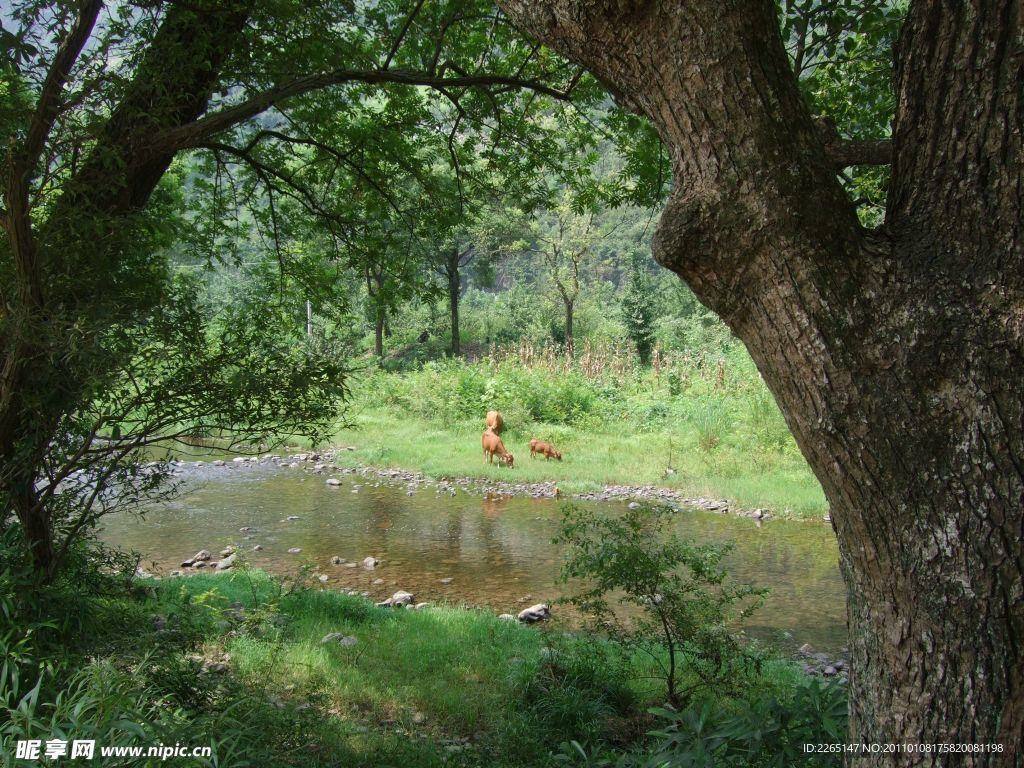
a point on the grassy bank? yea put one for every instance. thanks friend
(237, 661)
(712, 422)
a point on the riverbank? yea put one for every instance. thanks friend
(290, 674)
(597, 464)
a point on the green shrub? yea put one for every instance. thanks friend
(684, 599)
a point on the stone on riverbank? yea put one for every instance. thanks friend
(398, 599)
(535, 613)
(227, 562)
(199, 557)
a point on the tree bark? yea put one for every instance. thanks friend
(895, 354)
(454, 292)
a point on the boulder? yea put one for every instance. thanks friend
(370, 563)
(199, 557)
(535, 613)
(227, 562)
(399, 599)
(227, 551)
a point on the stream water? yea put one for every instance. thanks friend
(490, 552)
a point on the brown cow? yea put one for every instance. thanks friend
(494, 422)
(494, 447)
(539, 446)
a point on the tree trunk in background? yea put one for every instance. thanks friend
(895, 354)
(570, 347)
(454, 290)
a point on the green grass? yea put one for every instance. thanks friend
(419, 687)
(442, 686)
(593, 456)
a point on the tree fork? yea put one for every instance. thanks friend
(893, 354)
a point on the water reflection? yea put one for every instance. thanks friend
(488, 551)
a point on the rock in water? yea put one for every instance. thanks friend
(333, 482)
(370, 563)
(227, 562)
(535, 613)
(199, 557)
(294, 550)
(336, 560)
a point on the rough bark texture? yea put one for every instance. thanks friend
(895, 354)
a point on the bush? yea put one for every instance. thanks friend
(769, 731)
(685, 601)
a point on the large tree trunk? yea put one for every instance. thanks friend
(895, 354)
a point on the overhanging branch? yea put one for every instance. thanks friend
(192, 134)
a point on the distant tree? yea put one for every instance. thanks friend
(638, 307)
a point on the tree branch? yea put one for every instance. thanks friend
(48, 106)
(842, 153)
(845, 153)
(194, 133)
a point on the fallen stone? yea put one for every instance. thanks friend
(534, 613)
(227, 562)
(398, 599)
(199, 557)
(340, 638)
